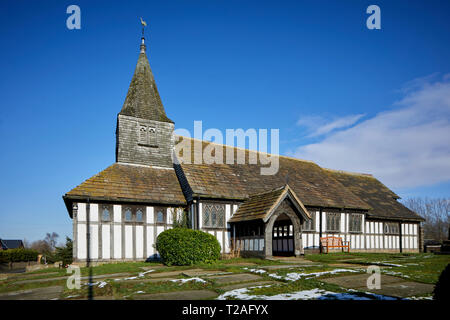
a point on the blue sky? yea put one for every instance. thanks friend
(344, 96)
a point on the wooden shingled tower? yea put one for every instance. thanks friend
(144, 133)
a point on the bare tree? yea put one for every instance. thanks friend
(436, 211)
(40, 246)
(50, 238)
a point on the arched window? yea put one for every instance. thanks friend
(139, 215)
(105, 214)
(128, 214)
(160, 216)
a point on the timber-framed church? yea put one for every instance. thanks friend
(121, 210)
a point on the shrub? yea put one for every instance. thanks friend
(181, 247)
(18, 255)
(442, 288)
(65, 254)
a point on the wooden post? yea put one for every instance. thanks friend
(320, 230)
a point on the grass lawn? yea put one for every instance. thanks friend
(419, 267)
(424, 268)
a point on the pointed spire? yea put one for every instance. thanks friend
(143, 100)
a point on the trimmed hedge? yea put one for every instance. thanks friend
(18, 255)
(182, 247)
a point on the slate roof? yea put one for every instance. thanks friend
(130, 183)
(143, 100)
(260, 206)
(382, 200)
(11, 244)
(312, 185)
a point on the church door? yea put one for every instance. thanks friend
(283, 238)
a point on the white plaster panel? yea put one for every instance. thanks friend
(220, 239)
(139, 242)
(159, 229)
(200, 215)
(150, 214)
(81, 240)
(170, 215)
(81, 215)
(316, 221)
(117, 209)
(93, 212)
(128, 242)
(106, 242)
(343, 220)
(117, 242)
(324, 221)
(150, 242)
(94, 242)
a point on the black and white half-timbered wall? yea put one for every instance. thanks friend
(121, 210)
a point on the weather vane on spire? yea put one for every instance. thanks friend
(144, 24)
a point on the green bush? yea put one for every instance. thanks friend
(18, 255)
(65, 254)
(442, 288)
(181, 247)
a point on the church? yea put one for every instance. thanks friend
(118, 213)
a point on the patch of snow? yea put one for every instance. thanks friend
(420, 298)
(242, 294)
(256, 270)
(196, 279)
(385, 263)
(141, 275)
(294, 276)
(100, 284)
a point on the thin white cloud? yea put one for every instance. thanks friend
(318, 126)
(408, 146)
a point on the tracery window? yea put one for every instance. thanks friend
(128, 214)
(213, 215)
(309, 225)
(391, 228)
(355, 222)
(333, 221)
(160, 216)
(139, 215)
(106, 213)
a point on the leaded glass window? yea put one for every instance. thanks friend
(309, 225)
(128, 214)
(160, 216)
(333, 221)
(106, 216)
(213, 215)
(391, 228)
(355, 222)
(139, 215)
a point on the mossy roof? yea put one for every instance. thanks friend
(383, 201)
(312, 185)
(130, 183)
(262, 205)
